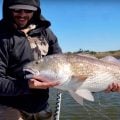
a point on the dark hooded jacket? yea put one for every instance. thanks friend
(15, 52)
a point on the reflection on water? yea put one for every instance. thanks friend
(105, 107)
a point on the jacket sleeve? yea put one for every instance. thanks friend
(54, 46)
(9, 86)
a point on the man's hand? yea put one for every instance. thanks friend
(38, 82)
(114, 87)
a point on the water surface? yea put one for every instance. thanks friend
(105, 107)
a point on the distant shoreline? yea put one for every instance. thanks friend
(99, 55)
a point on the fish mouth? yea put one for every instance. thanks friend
(31, 71)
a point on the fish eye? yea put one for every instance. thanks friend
(36, 62)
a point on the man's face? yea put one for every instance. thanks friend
(22, 17)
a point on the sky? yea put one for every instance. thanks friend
(84, 24)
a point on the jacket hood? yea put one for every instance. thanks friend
(35, 3)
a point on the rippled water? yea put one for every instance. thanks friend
(105, 107)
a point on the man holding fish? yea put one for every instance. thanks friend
(25, 36)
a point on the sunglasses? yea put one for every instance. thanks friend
(21, 10)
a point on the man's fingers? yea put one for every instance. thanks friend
(41, 85)
(113, 88)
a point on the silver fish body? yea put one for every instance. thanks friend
(77, 74)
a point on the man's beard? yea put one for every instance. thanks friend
(22, 26)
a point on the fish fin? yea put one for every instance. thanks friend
(110, 59)
(86, 94)
(76, 97)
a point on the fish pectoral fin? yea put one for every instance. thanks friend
(76, 97)
(84, 93)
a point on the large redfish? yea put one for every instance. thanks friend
(77, 74)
